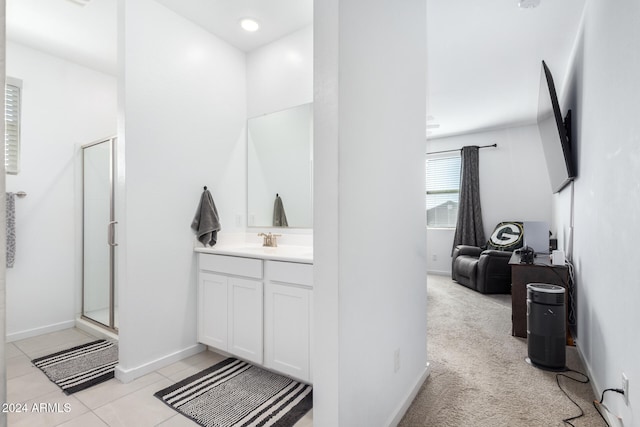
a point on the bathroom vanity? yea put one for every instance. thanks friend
(256, 303)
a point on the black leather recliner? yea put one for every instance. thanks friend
(486, 269)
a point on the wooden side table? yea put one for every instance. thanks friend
(541, 271)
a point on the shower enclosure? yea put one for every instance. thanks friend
(98, 234)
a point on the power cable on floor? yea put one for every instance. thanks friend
(585, 381)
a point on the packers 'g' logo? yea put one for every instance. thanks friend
(507, 234)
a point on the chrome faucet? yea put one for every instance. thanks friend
(269, 240)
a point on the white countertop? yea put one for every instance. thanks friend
(290, 253)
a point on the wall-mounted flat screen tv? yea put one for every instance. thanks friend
(555, 133)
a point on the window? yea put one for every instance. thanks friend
(12, 101)
(443, 188)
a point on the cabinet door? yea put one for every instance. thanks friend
(245, 319)
(212, 310)
(287, 315)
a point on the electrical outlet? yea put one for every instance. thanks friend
(396, 360)
(625, 388)
(434, 257)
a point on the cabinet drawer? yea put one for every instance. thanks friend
(290, 272)
(236, 266)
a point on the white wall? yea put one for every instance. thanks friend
(64, 106)
(603, 94)
(369, 220)
(280, 74)
(439, 243)
(514, 184)
(184, 105)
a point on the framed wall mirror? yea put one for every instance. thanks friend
(280, 165)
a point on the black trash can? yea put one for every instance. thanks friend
(546, 326)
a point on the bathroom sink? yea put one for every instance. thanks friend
(284, 252)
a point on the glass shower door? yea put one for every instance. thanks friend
(98, 240)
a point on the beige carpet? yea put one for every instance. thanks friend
(478, 373)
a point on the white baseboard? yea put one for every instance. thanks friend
(15, 336)
(128, 375)
(610, 418)
(439, 272)
(408, 400)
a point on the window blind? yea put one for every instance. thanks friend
(443, 189)
(12, 104)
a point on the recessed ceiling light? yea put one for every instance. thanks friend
(249, 24)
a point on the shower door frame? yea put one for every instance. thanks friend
(110, 234)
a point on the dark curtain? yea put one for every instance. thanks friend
(469, 230)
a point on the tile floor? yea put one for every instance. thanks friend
(111, 403)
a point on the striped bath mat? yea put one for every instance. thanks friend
(234, 393)
(80, 367)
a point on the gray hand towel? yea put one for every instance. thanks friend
(279, 217)
(11, 229)
(206, 222)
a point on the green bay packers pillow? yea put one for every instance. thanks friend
(507, 236)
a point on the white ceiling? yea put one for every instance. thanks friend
(483, 57)
(88, 34)
(277, 18)
(83, 34)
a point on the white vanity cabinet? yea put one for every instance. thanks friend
(288, 313)
(212, 309)
(230, 303)
(257, 309)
